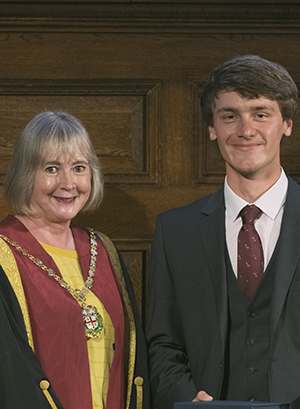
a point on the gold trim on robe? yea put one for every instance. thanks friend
(129, 318)
(9, 265)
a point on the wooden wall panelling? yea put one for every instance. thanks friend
(135, 254)
(132, 71)
(177, 134)
(122, 119)
(145, 16)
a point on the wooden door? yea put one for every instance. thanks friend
(131, 72)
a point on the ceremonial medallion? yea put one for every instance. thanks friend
(93, 321)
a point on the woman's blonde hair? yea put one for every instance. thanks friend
(49, 135)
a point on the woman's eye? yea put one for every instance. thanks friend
(79, 168)
(51, 169)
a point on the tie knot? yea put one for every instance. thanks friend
(250, 213)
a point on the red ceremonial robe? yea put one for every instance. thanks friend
(56, 318)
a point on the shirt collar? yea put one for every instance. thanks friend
(270, 202)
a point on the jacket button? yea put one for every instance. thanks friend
(250, 341)
(252, 314)
(250, 370)
(44, 385)
(251, 398)
(139, 381)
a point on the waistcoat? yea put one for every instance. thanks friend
(247, 353)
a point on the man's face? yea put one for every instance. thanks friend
(249, 132)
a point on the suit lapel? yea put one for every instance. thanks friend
(213, 240)
(287, 253)
(212, 235)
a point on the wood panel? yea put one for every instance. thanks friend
(131, 72)
(121, 118)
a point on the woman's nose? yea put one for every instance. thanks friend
(67, 180)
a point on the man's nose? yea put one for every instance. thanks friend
(246, 128)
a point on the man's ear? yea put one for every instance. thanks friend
(288, 125)
(212, 133)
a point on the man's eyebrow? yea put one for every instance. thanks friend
(254, 109)
(263, 108)
(226, 109)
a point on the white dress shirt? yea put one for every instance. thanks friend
(268, 225)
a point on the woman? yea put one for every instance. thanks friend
(65, 293)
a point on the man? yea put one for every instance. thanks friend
(214, 331)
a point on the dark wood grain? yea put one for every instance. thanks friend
(131, 72)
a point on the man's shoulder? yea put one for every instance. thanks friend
(195, 208)
(292, 184)
(293, 192)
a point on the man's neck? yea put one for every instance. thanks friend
(251, 189)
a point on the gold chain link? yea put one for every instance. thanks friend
(78, 294)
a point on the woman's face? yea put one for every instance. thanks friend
(61, 189)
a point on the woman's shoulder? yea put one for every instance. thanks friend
(109, 245)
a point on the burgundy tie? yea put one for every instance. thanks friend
(250, 252)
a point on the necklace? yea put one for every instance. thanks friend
(93, 321)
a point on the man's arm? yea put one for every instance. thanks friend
(170, 375)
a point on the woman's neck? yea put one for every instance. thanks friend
(56, 234)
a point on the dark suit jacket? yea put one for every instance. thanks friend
(188, 311)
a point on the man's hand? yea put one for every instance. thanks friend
(202, 396)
